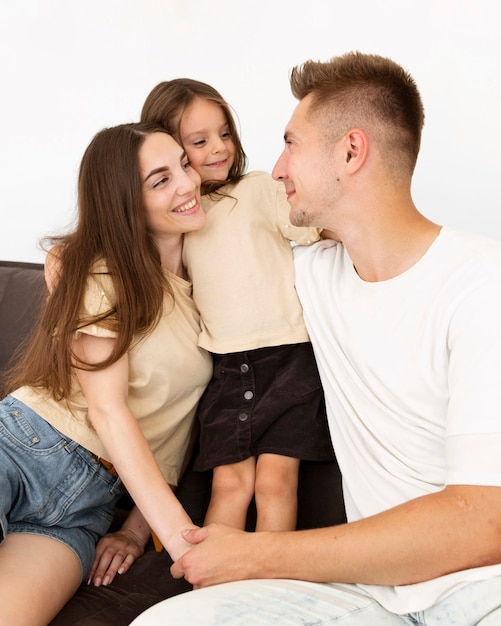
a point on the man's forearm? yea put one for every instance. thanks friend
(419, 540)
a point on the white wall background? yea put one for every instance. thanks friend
(70, 68)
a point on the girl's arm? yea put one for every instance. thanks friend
(106, 392)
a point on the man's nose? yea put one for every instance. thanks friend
(278, 171)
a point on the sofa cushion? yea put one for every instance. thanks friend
(22, 288)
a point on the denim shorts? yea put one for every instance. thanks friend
(50, 485)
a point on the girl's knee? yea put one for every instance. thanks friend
(237, 478)
(276, 476)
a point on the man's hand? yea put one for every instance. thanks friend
(219, 554)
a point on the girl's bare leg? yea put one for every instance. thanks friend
(38, 575)
(276, 492)
(232, 491)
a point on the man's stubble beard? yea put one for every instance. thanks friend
(304, 217)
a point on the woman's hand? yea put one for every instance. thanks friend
(115, 553)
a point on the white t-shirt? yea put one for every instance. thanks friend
(411, 369)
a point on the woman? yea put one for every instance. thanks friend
(109, 384)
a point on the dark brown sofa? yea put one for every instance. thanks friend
(22, 289)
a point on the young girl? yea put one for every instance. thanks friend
(264, 409)
(109, 384)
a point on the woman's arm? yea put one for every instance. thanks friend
(106, 392)
(52, 267)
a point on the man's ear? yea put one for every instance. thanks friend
(356, 148)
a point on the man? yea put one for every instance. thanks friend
(405, 319)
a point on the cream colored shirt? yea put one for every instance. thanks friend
(242, 268)
(168, 373)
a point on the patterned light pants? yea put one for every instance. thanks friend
(297, 603)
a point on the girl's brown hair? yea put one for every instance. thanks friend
(166, 104)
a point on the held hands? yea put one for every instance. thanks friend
(115, 553)
(218, 554)
(203, 556)
(178, 543)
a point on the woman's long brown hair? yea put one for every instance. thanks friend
(111, 227)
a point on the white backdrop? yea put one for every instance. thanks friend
(70, 68)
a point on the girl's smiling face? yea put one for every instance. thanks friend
(206, 137)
